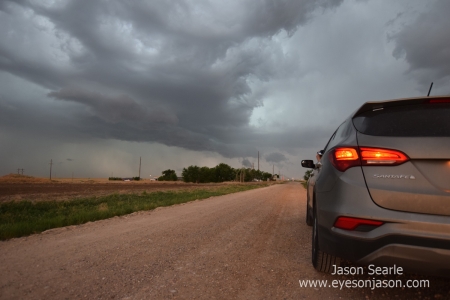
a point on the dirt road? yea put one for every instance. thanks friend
(249, 245)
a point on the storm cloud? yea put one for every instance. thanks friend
(207, 82)
(114, 109)
(276, 157)
(183, 66)
(246, 163)
(425, 45)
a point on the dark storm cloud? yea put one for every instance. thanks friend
(172, 72)
(246, 163)
(275, 157)
(112, 109)
(266, 17)
(425, 45)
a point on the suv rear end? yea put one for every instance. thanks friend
(382, 195)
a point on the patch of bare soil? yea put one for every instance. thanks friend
(15, 187)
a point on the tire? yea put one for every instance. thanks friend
(322, 262)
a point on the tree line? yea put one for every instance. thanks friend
(220, 173)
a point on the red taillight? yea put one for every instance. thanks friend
(343, 158)
(436, 101)
(345, 154)
(376, 156)
(348, 223)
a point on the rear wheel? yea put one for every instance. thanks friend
(321, 261)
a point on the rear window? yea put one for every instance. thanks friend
(424, 120)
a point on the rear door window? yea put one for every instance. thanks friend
(419, 120)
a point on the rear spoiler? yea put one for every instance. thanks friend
(374, 105)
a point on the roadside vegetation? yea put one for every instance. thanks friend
(223, 172)
(306, 178)
(25, 217)
(220, 173)
(121, 179)
(168, 175)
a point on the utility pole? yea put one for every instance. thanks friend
(18, 171)
(51, 164)
(140, 167)
(273, 169)
(258, 160)
(22, 171)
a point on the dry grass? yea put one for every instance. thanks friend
(16, 178)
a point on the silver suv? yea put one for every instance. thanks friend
(380, 191)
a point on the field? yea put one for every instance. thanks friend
(32, 205)
(15, 187)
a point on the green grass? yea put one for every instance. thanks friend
(25, 217)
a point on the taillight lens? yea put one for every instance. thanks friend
(346, 154)
(343, 158)
(376, 156)
(348, 223)
(442, 100)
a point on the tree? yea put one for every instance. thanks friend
(205, 175)
(307, 174)
(191, 174)
(266, 175)
(220, 173)
(223, 172)
(168, 175)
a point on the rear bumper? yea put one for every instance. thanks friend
(419, 243)
(411, 258)
(414, 254)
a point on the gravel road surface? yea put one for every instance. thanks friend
(248, 245)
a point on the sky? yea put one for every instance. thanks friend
(93, 86)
